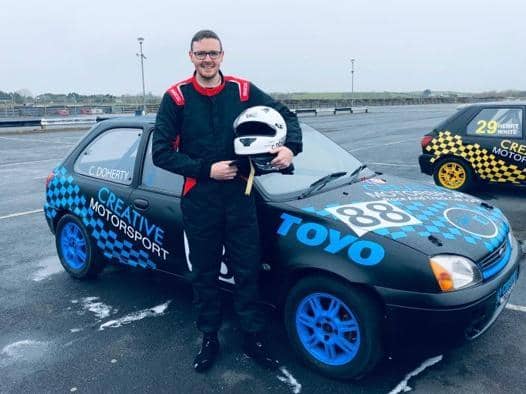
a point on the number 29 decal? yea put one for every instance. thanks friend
(368, 216)
(485, 127)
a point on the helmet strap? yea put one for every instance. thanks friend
(250, 180)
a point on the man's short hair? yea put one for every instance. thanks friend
(202, 34)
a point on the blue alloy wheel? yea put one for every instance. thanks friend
(328, 329)
(73, 246)
(76, 250)
(334, 326)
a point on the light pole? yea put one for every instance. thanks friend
(352, 82)
(142, 57)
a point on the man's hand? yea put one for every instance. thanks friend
(283, 158)
(223, 170)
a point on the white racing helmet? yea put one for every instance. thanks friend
(256, 131)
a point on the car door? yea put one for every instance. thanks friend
(499, 132)
(100, 178)
(157, 197)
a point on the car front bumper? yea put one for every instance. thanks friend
(424, 160)
(466, 313)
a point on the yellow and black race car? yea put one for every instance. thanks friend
(480, 142)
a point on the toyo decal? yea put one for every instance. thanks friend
(224, 274)
(360, 251)
(372, 215)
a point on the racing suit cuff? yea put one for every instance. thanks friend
(295, 148)
(204, 171)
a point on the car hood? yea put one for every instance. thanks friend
(425, 217)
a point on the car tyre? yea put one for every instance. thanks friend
(334, 327)
(77, 253)
(454, 174)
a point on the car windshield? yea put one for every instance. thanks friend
(320, 157)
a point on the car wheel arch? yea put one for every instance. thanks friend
(359, 301)
(58, 216)
(452, 157)
(298, 274)
(91, 262)
(441, 159)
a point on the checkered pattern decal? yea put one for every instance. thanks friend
(431, 213)
(427, 203)
(485, 164)
(64, 193)
(434, 223)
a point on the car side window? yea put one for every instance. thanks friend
(157, 178)
(111, 156)
(497, 122)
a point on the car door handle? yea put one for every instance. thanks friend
(140, 203)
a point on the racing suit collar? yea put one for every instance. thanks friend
(208, 91)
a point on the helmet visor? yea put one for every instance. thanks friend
(255, 128)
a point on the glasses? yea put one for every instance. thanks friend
(201, 55)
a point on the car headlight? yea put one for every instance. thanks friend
(454, 272)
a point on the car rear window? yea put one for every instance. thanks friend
(111, 156)
(497, 122)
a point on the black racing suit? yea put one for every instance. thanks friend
(193, 130)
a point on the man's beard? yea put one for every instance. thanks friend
(209, 78)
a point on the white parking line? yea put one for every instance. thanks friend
(30, 162)
(35, 140)
(513, 307)
(392, 164)
(21, 214)
(376, 145)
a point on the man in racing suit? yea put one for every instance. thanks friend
(194, 137)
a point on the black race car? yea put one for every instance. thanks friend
(480, 142)
(350, 256)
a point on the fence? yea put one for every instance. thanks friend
(8, 110)
(43, 111)
(75, 122)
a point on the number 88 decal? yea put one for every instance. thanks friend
(387, 212)
(368, 216)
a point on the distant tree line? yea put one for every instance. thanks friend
(503, 93)
(396, 95)
(25, 97)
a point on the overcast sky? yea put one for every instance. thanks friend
(90, 46)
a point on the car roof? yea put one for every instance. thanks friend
(493, 104)
(127, 120)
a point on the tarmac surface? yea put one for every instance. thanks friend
(134, 331)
